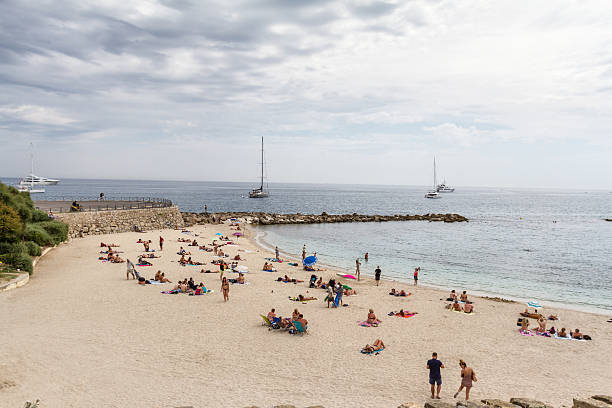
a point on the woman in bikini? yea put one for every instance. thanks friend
(225, 289)
(467, 376)
(372, 318)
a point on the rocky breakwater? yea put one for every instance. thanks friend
(262, 218)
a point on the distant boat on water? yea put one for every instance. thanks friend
(259, 192)
(443, 188)
(33, 180)
(434, 192)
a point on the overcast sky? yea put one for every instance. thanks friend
(503, 93)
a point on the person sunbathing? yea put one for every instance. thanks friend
(541, 325)
(452, 296)
(402, 313)
(319, 283)
(404, 294)
(303, 298)
(372, 319)
(200, 289)
(102, 244)
(117, 259)
(142, 261)
(393, 292)
(376, 346)
(562, 333)
(552, 330)
(193, 243)
(349, 292)
(303, 321)
(220, 252)
(272, 315)
(237, 258)
(240, 279)
(553, 317)
(525, 324)
(183, 252)
(457, 307)
(468, 308)
(150, 255)
(295, 315)
(464, 297)
(163, 279)
(287, 279)
(577, 334)
(182, 261)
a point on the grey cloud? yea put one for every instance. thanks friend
(374, 10)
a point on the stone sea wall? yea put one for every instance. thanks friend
(597, 401)
(271, 218)
(105, 222)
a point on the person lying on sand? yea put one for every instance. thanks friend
(553, 317)
(150, 255)
(562, 333)
(287, 279)
(142, 261)
(102, 244)
(577, 334)
(376, 346)
(237, 258)
(402, 313)
(241, 279)
(372, 319)
(183, 240)
(115, 259)
(349, 292)
(193, 243)
(303, 298)
(183, 252)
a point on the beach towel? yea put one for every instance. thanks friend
(525, 332)
(366, 324)
(143, 265)
(375, 352)
(406, 315)
(274, 260)
(171, 292)
(154, 282)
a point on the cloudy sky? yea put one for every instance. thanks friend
(504, 93)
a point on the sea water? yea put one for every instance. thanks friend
(532, 244)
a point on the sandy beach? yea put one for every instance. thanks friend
(79, 335)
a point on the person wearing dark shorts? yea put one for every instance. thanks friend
(435, 377)
(416, 275)
(377, 273)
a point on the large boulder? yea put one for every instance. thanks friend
(497, 403)
(528, 403)
(409, 405)
(604, 398)
(589, 403)
(438, 404)
(470, 404)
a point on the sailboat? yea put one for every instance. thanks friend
(259, 192)
(433, 193)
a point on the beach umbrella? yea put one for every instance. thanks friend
(310, 260)
(237, 234)
(534, 304)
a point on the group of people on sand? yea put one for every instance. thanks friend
(285, 322)
(459, 303)
(189, 261)
(542, 330)
(401, 293)
(189, 286)
(267, 267)
(111, 255)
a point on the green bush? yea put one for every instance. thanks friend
(13, 248)
(11, 225)
(39, 216)
(58, 230)
(33, 248)
(19, 261)
(36, 233)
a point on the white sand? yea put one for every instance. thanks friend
(80, 335)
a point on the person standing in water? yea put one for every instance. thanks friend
(416, 275)
(366, 257)
(304, 252)
(276, 253)
(357, 265)
(377, 273)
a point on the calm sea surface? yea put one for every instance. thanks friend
(546, 245)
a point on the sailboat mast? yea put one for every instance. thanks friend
(434, 184)
(262, 164)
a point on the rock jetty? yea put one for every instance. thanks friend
(262, 218)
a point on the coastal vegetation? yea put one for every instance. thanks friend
(24, 230)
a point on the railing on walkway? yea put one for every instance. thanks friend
(64, 204)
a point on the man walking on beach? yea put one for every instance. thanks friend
(435, 377)
(130, 270)
(377, 273)
(357, 272)
(161, 243)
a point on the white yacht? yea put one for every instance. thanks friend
(443, 188)
(38, 181)
(434, 192)
(33, 180)
(259, 192)
(30, 188)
